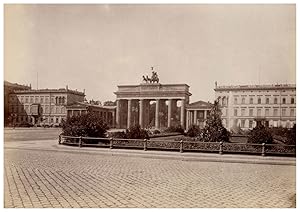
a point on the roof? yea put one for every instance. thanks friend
(16, 85)
(199, 104)
(255, 87)
(85, 104)
(59, 90)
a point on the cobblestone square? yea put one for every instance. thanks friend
(49, 178)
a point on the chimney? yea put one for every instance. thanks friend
(83, 91)
(30, 86)
(67, 87)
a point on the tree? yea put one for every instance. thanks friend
(86, 125)
(260, 134)
(214, 130)
(109, 103)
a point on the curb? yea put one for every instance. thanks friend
(186, 156)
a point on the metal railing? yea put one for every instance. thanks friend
(181, 146)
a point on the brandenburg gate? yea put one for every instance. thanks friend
(151, 104)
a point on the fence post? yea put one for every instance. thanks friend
(221, 148)
(181, 146)
(145, 144)
(111, 143)
(263, 152)
(59, 139)
(80, 142)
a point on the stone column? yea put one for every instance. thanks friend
(157, 114)
(205, 117)
(129, 114)
(195, 117)
(169, 112)
(141, 115)
(113, 119)
(118, 114)
(187, 120)
(182, 113)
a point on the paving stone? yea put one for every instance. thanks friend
(64, 180)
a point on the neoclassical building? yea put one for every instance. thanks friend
(244, 105)
(107, 113)
(42, 106)
(151, 105)
(197, 113)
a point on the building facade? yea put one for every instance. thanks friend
(107, 113)
(197, 113)
(43, 106)
(151, 105)
(243, 105)
(9, 88)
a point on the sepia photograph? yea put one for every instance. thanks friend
(149, 105)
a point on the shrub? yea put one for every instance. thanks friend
(193, 131)
(260, 134)
(85, 125)
(291, 136)
(156, 132)
(177, 128)
(135, 132)
(118, 135)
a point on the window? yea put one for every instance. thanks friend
(223, 101)
(292, 112)
(250, 112)
(283, 112)
(275, 100)
(63, 110)
(243, 100)
(267, 101)
(47, 100)
(267, 112)
(31, 99)
(258, 112)
(47, 109)
(56, 120)
(243, 111)
(292, 100)
(27, 108)
(235, 101)
(235, 112)
(56, 110)
(42, 99)
(283, 101)
(36, 100)
(26, 99)
(275, 112)
(251, 100)
(250, 124)
(242, 123)
(259, 100)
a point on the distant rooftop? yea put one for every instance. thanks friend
(16, 85)
(199, 104)
(59, 90)
(255, 87)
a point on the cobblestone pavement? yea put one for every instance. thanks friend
(37, 178)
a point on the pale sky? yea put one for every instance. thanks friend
(97, 47)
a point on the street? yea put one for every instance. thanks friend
(39, 174)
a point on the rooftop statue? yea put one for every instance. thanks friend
(153, 79)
